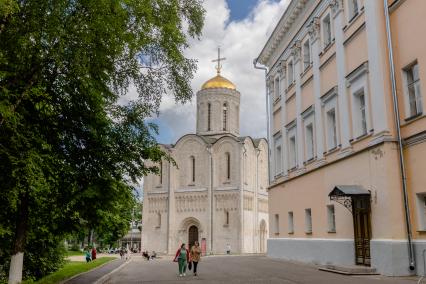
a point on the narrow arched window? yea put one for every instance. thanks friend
(225, 116)
(158, 220)
(228, 166)
(209, 115)
(226, 218)
(192, 160)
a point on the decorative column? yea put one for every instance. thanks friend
(337, 9)
(374, 25)
(282, 70)
(296, 53)
(314, 36)
(270, 84)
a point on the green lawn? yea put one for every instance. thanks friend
(73, 268)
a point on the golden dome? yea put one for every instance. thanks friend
(218, 82)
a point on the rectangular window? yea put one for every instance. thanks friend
(226, 218)
(277, 224)
(292, 152)
(277, 87)
(306, 55)
(278, 160)
(353, 9)
(308, 221)
(421, 211)
(278, 155)
(331, 219)
(326, 30)
(413, 89)
(331, 129)
(360, 118)
(290, 223)
(309, 137)
(290, 71)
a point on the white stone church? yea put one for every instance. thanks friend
(217, 192)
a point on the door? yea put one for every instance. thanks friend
(192, 235)
(362, 229)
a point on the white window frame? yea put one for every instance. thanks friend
(309, 120)
(421, 210)
(292, 155)
(278, 147)
(358, 84)
(307, 61)
(329, 103)
(308, 220)
(331, 217)
(418, 95)
(290, 218)
(277, 87)
(324, 43)
(351, 12)
(359, 114)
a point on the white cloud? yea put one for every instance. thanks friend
(240, 43)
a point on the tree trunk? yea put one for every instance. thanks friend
(17, 260)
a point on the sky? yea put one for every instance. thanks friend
(241, 28)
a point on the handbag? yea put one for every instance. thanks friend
(190, 265)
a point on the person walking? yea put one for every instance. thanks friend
(182, 258)
(87, 253)
(195, 256)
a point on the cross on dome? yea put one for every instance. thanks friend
(218, 60)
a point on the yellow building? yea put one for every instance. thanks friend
(336, 192)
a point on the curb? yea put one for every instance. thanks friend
(82, 273)
(107, 276)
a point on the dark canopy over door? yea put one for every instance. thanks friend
(357, 200)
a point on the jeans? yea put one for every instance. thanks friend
(182, 265)
(195, 263)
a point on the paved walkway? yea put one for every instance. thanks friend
(240, 269)
(95, 274)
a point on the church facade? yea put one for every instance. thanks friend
(216, 193)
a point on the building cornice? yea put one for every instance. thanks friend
(282, 28)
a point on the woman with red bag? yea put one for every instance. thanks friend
(182, 258)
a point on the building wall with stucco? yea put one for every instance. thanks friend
(216, 184)
(316, 76)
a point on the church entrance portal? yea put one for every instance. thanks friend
(192, 235)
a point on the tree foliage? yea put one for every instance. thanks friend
(71, 136)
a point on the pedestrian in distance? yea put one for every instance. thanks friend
(121, 253)
(182, 258)
(195, 256)
(228, 249)
(93, 253)
(87, 253)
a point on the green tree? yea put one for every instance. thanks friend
(68, 147)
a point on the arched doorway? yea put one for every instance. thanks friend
(262, 232)
(192, 235)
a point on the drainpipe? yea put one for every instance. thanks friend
(398, 133)
(267, 112)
